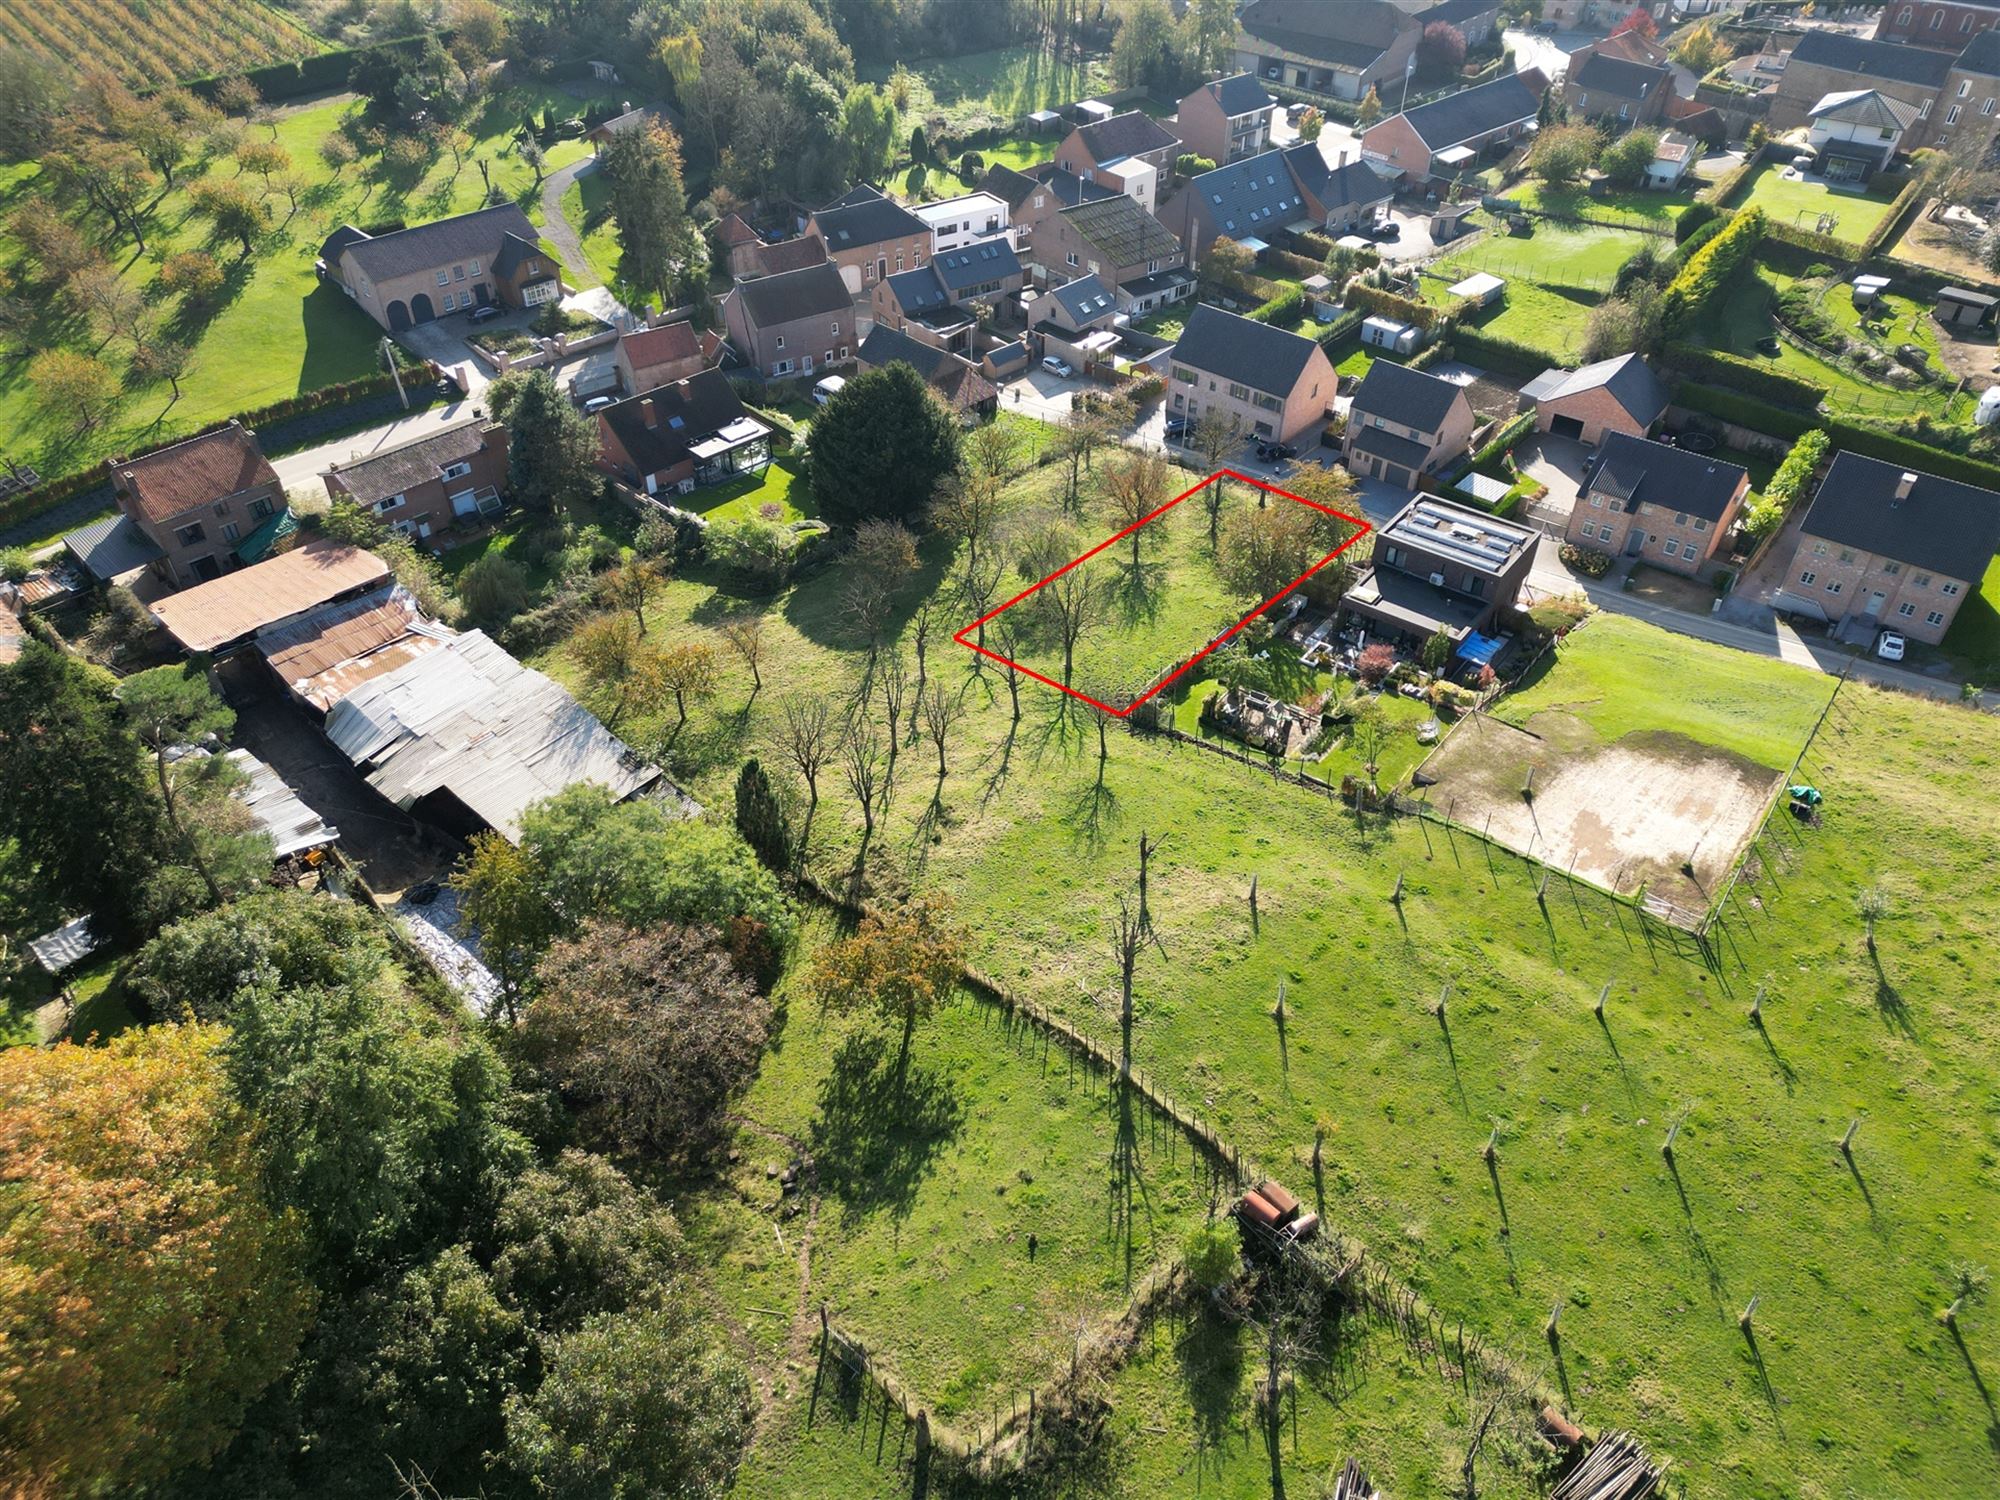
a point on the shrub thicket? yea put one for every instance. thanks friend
(1709, 270)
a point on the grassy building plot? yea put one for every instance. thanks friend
(1801, 202)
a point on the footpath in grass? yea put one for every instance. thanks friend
(1035, 841)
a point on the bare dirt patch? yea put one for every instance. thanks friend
(1642, 809)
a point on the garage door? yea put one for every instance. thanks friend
(1398, 477)
(1567, 427)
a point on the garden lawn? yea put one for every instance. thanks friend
(1551, 321)
(1338, 757)
(1791, 201)
(1035, 841)
(1654, 207)
(586, 203)
(994, 87)
(1622, 677)
(1974, 638)
(749, 494)
(278, 332)
(1585, 256)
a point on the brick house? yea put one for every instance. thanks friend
(1601, 86)
(1621, 394)
(210, 504)
(1254, 201)
(1476, 20)
(422, 488)
(1405, 424)
(960, 384)
(1074, 321)
(791, 324)
(1665, 506)
(1226, 119)
(1946, 24)
(1342, 196)
(1269, 382)
(920, 306)
(771, 258)
(662, 355)
(1445, 137)
(1440, 567)
(469, 261)
(869, 236)
(1825, 63)
(1897, 549)
(675, 437)
(1126, 248)
(1341, 50)
(1132, 154)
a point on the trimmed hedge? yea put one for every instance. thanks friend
(1817, 246)
(1709, 270)
(1388, 305)
(1761, 381)
(1765, 516)
(1487, 460)
(1869, 442)
(1893, 220)
(1697, 216)
(1508, 356)
(1282, 310)
(317, 74)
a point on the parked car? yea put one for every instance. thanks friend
(1385, 229)
(597, 404)
(1056, 365)
(486, 314)
(1891, 646)
(1273, 452)
(1177, 427)
(828, 388)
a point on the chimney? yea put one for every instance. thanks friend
(1904, 485)
(650, 409)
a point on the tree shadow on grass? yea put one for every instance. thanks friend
(1210, 1355)
(1890, 1002)
(877, 1135)
(1137, 592)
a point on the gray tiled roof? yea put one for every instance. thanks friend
(1255, 354)
(919, 291)
(1444, 123)
(1872, 59)
(1336, 187)
(1627, 379)
(1411, 398)
(792, 295)
(1130, 134)
(112, 546)
(1070, 189)
(397, 470)
(1393, 446)
(1644, 472)
(863, 216)
(1982, 54)
(1620, 77)
(1084, 299)
(1351, 34)
(427, 246)
(1239, 94)
(1010, 187)
(683, 414)
(1254, 196)
(1944, 525)
(991, 259)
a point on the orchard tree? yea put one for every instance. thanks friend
(1135, 487)
(231, 209)
(80, 387)
(1263, 551)
(649, 1036)
(903, 964)
(685, 670)
(881, 447)
(193, 275)
(1562, 155)
(150, 1293)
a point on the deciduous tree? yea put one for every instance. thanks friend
(231, 209)
(881, 447)
(79, 387)
(903, 964)
(1563, 154)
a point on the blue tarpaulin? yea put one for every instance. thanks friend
(1478, 649)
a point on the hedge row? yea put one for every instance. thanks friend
(1893, 220)
(1709, 270)
(317, 74)
(1388, 305)
(45, 496)
(1283, 309)
(1725, 187)
(1507, 356)
(1340, 328)
(1759, 380)
(1765, 515)
(1487, 460)
(1870, 442)
(1818, 246)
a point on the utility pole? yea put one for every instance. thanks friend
(389, 358)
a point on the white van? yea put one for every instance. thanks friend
(828, 388)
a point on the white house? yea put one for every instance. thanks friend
(957, 222)
(1671, 162)
(1855, 133)
(1136, 179)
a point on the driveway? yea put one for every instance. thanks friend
(560, 232)
(444, 340)
(302, 470)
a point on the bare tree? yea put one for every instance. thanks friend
(1215, 435)
(809, 742)
(1010, 648)
(1128, 940)
(971, 505)
(1073, 605)
(893, 680)
(745, 635)
(881, 560)
(979, 588)
(921, 625)
(1093, 421)
(861, 765)
(941, 710)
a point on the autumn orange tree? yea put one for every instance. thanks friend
(902, 964)
(146, 1291)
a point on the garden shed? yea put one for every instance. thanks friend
(1960, 307)
(1387, 333)
(1045, 122)
(1482, 290)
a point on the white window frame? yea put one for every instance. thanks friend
(1935, 617)
(444, 278)
(1906, 609)
(456, 471)
(1808, 578)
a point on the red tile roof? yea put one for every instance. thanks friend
(792, 255)
(734, 231)
(195, 473)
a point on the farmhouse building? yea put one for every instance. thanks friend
(1270, 383)
(1603, 87)
(423, 487)
(1621, 394)
(1340, 50)
(202, 507)
(1226, 119)
(869, 236)
(1476, 20)
(1898, 549)
(675, 437)
(1826, 62)
(1405, 424)
(1445, 137)
(960, 383)
(1665, 506)
(1440, 567)
(792, 323)
(491, 255)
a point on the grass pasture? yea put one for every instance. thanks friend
(150, 43)
(1636, 203)
(1035, 840)
(996, 87)
(1554, 277)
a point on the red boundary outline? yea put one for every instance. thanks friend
(1188, 665)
